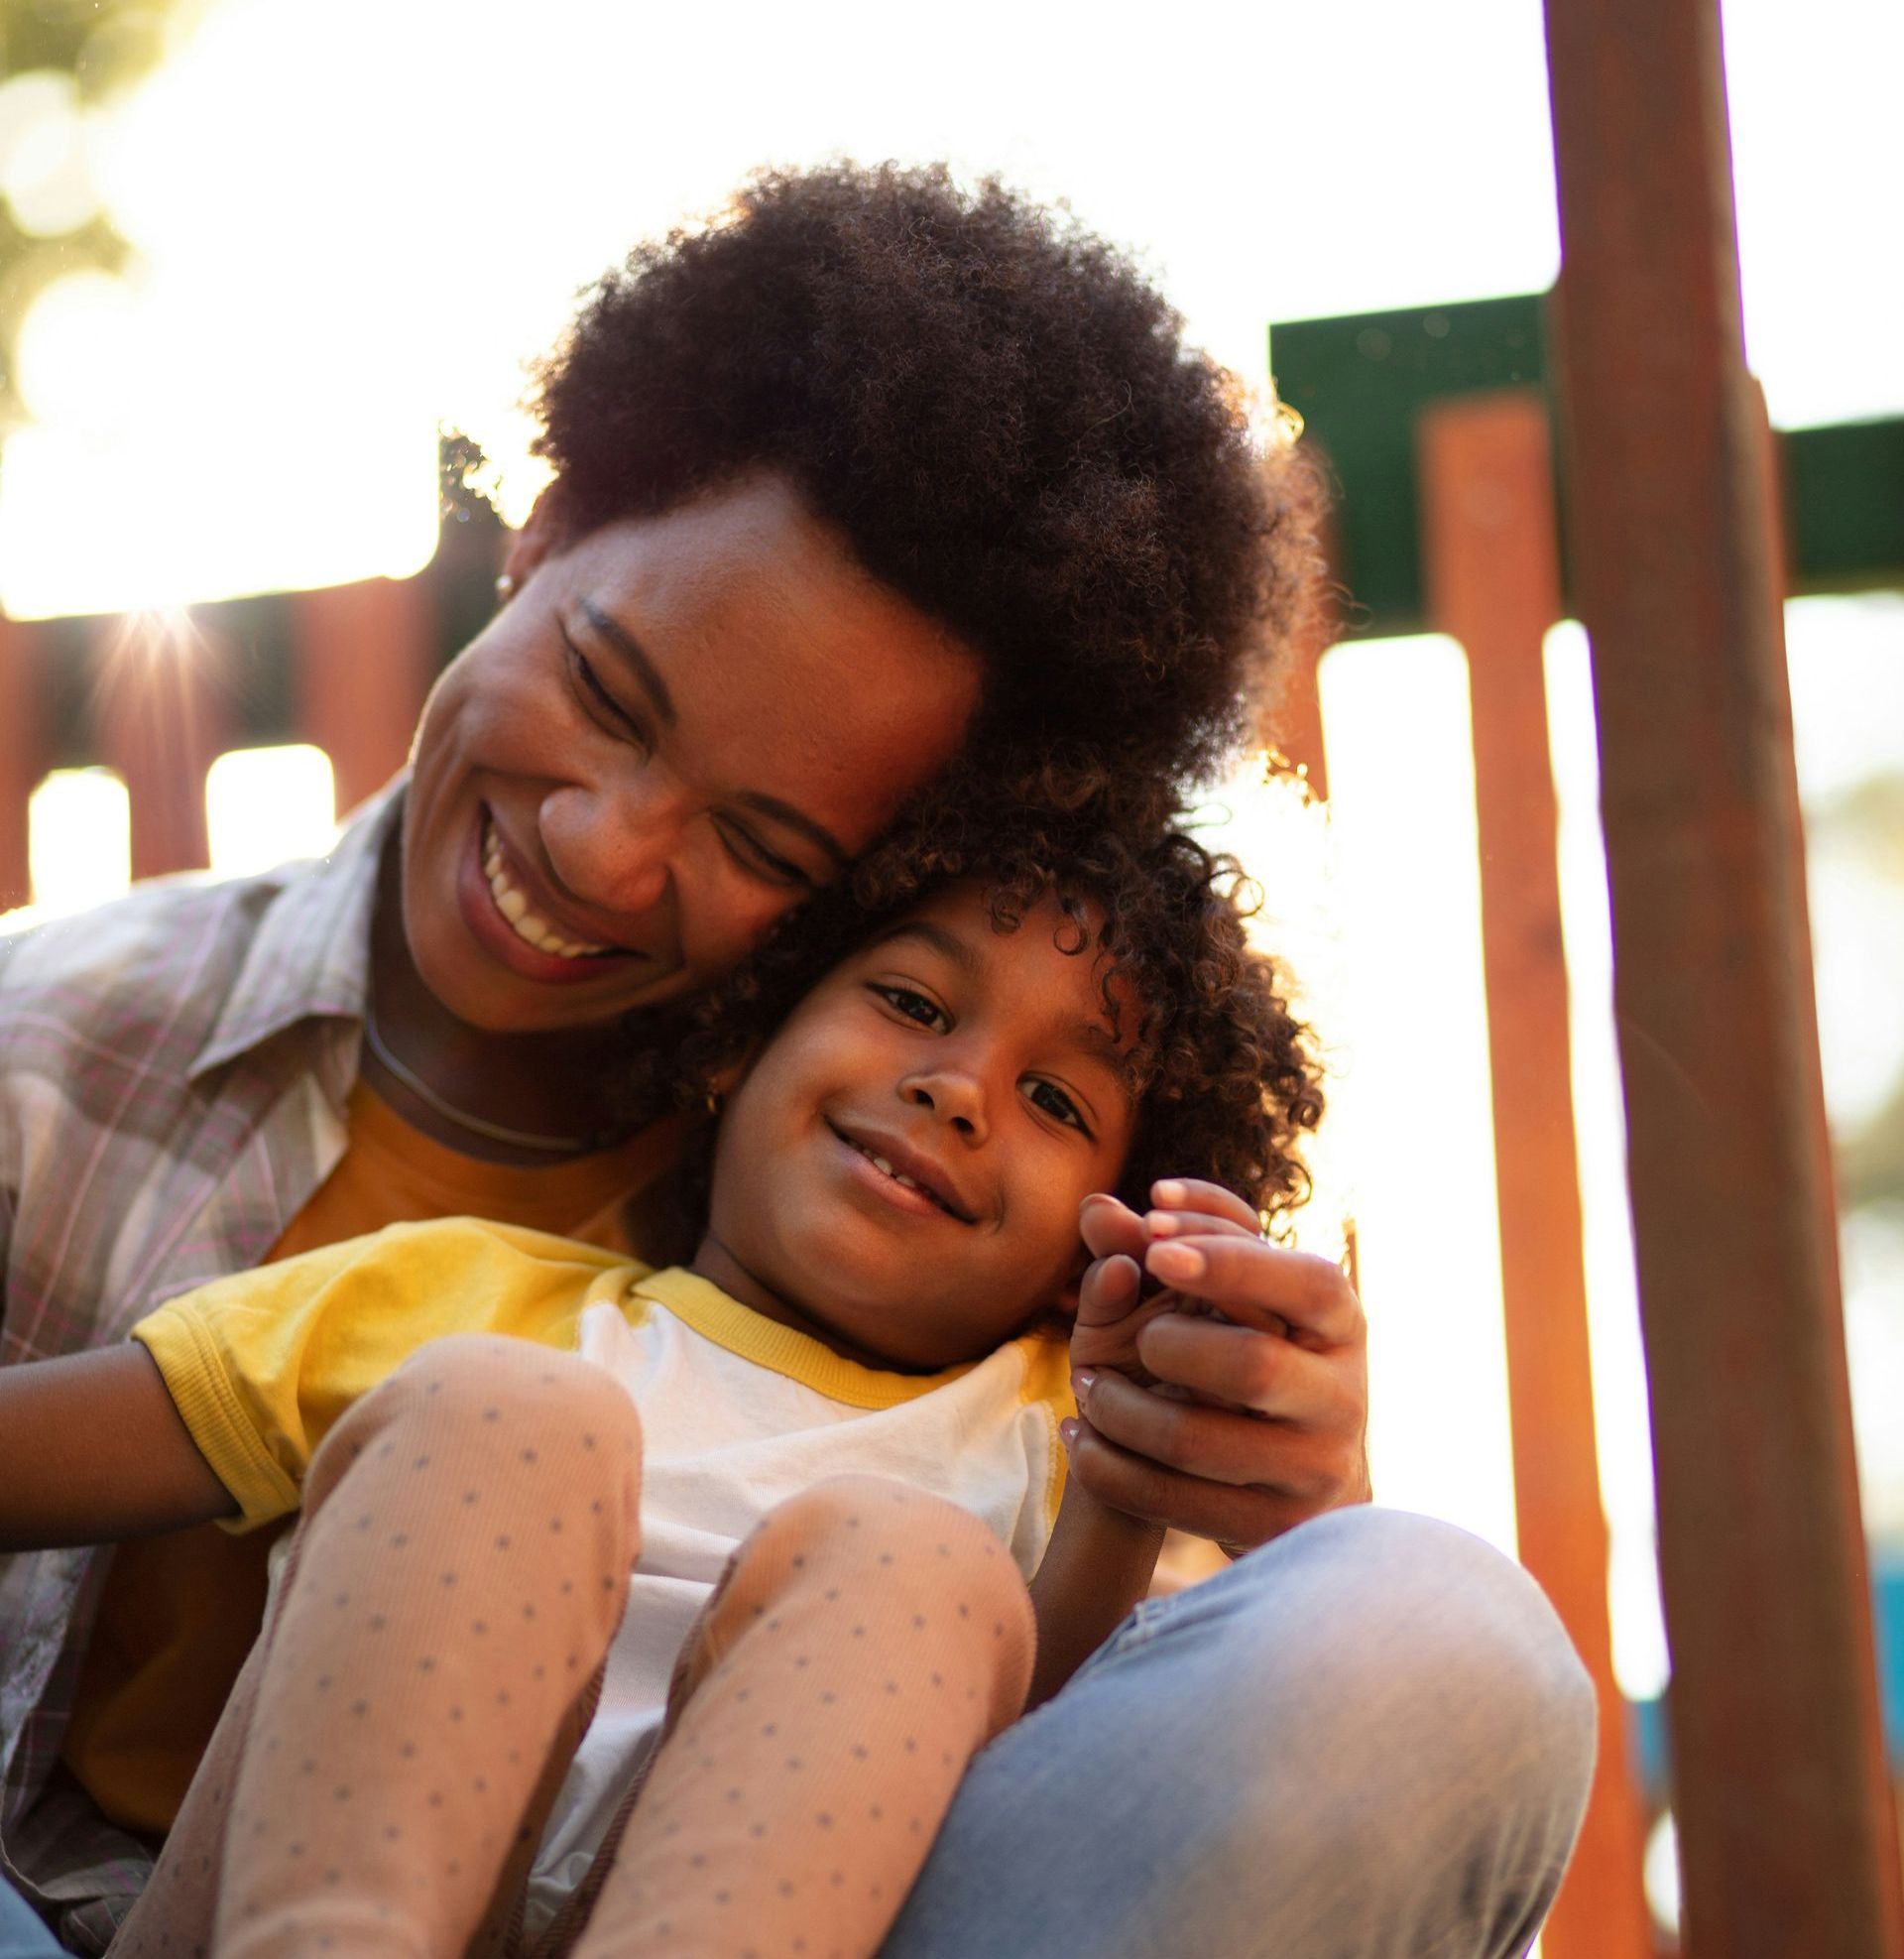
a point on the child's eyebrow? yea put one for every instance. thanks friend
(955, 948)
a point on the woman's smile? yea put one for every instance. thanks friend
(607, 807)
(512, 914)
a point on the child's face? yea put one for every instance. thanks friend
(980, 1066)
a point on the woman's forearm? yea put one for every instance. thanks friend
(1098, 1565)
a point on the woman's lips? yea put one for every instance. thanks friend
(481, 905)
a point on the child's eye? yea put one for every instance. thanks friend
(915, 1006)
(1056, 1104)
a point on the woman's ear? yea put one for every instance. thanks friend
(545, 534)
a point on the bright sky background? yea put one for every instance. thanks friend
(354, 222)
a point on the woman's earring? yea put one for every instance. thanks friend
(505, 589)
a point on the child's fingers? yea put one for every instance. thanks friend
(1197, 1195)
(1107, 1291)
(1110, 1226)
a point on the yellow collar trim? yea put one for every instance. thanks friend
(699, 1303)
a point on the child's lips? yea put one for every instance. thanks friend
(902, 1175)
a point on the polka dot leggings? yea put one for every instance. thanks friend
(384, 1768)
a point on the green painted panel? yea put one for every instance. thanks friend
(1845, 486)
(1357, 382)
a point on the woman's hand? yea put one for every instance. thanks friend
(1233, 1405)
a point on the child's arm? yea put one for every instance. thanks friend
(92, 1450)
(1097, 1566)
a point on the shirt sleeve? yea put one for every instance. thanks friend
(262, 1364)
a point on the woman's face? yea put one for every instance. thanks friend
(676, 728)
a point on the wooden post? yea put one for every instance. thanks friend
(363, 669)
(1787, 1838)
(161, 719)
(23, 750)
(1492, 581)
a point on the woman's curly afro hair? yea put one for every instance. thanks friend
(1223, 1073)
(999, 414)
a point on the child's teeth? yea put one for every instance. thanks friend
(879, 1163)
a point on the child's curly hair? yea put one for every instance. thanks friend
(1224, 1075)
(999, 413)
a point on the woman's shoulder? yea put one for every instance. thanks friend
(171, 926)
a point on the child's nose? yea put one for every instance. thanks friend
(954, 1097)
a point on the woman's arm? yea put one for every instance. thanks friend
(1097, 1566)
(92, 1450)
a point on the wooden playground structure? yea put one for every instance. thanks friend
(1682, 523)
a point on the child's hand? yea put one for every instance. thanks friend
(1234, 1406)
(1112, 1309)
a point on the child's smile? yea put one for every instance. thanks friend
(900, 1172)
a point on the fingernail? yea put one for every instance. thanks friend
(1175, 1262)
(1160, 1224)
(1068, 1431)
(1169, 1191)
(1082, 1381)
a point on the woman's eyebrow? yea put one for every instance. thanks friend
(625, 643)
(796, 819)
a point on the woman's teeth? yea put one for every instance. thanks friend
(514, 906)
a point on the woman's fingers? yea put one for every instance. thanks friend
(1254, 1282)
(1238, 1368)
(1217, 1445)
(1236, 1517)
(1194, 1194)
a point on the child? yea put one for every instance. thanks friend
(893, 1207)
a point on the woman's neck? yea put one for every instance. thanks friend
(561, 1086)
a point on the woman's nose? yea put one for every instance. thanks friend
(617, 853)
(953, 1096)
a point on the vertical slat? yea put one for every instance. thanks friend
(1492, 579)
(1787, 1838)
(161, 718)
(363, 669)
(23, 758)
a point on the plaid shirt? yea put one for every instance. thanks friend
(173, 1072)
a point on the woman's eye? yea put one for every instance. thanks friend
(754, 857)
(915, 1006)
(598, 699)
(1056, 1104)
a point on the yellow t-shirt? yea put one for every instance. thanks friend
(737, 1413)
(179, 1612)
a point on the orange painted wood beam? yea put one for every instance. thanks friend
(1787, 1834)
(364, 666)
(161, 718)
(24, 756)
(1492, 581)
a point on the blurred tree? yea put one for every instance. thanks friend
(60, 61)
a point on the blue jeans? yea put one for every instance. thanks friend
(22, 1936)
(1368, 1738)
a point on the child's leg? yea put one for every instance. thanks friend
(468, 1533)
(866, 1642)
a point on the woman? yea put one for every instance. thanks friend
(871, 479)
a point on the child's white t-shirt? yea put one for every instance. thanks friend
(737, 1413)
